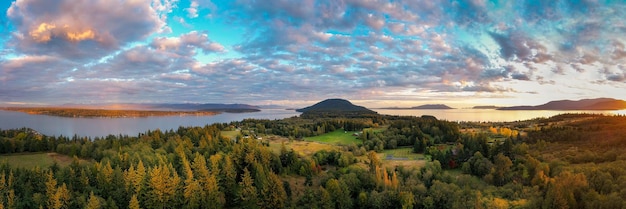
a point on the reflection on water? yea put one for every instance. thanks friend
(92, 127)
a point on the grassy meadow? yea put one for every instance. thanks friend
(32, 160)
(337, 137)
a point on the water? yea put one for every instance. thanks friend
(484, 115)
(99, 127)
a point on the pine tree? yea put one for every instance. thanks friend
(51, 189)
(273, 193)
(93, 202)
(134, 203)
(247, 193)
(229, 178)
(164, 183)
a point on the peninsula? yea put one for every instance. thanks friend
(104, 113)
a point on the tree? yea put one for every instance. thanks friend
(134, 203)
(501, 172)
(93, 202)
(164, 184)
(247, 193)
(339, 193)
(373, 159)
(273, 193)
(58, 197)
(407, 200)
(480, 166)
(325, 199)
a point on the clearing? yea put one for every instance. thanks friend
(402, 157)
(32, 160)
(303, 148)
(337, 137)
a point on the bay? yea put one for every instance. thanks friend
(100, 127)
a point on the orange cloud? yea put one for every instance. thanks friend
(89, 34)
(45, 31)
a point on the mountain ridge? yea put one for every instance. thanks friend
(583, 104)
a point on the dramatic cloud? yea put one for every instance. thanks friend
(261, 50)
(82, 27)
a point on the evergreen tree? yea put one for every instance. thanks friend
(247, 193)
(93, 202)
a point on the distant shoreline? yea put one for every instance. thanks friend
(104, 113)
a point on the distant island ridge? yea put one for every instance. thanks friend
(486, 107)
(134, 110)
(421, 107)
(584, 104)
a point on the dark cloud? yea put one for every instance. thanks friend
(616, 77)
(516, 46)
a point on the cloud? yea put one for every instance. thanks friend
(51, 27)
(29, 76)
(186, 43)
(295, 49)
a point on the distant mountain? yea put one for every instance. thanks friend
(585, 104)
(198, 106)
(486, 107)
(231, 108)
(170, 106)
(335, 106)
(271, 106)
(422, 107)
(432, 107)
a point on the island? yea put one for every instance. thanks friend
(334, 108)
(486, 107)
(104, 113)
(422, 107)
(584, 104)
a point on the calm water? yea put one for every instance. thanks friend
(484, 115)
(93, 127)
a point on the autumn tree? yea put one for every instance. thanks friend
(247, 192)
(164, 184)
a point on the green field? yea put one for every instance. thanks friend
(230, 134)
(32, 160)
(338, 137)
(403, 153)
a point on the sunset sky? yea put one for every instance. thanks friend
(375, 53)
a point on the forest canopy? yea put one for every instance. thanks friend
(567, 161)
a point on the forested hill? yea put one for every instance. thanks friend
(335, 106)
(584, 104)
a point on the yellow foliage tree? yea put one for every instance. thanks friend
(93, 202)
(164, 183)
(134, 203)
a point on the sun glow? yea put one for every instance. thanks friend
(45, 31)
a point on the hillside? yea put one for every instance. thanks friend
(335, 106)
(585, 104)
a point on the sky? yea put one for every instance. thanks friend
(375, 53)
